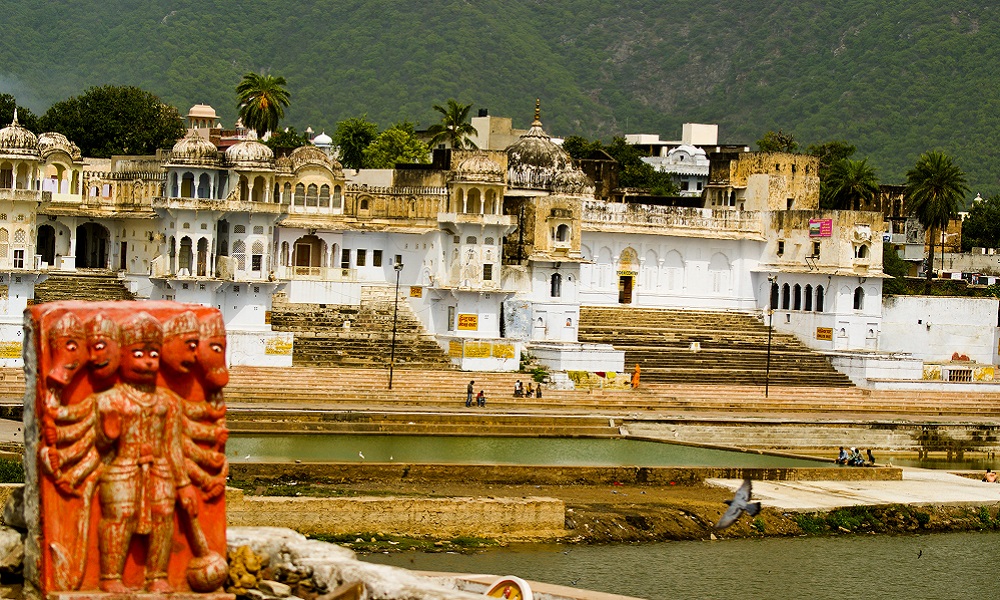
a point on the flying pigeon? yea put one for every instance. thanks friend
(738, 505)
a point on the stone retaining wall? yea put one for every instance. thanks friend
(542, 475)
(511, 519)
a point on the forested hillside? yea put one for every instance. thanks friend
(893, 77)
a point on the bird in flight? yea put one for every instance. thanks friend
(738, 505)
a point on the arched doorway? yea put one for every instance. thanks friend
(92, 246)
(45, 244)
(308, 254)
(628, 268)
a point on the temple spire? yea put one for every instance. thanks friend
(14, 122)
(538, 112)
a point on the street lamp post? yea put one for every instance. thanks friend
(395, 311)
(770, 327)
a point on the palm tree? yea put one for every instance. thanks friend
(262, 99)
(454, 127)
(935, 187)
(850, 184)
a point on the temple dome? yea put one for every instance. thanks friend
(17, 141)
(250, 154)
(311, 155)
(535, 159)
(573, 181)
(322, 141)
(479, 167)
(193, 149)
(52, 141)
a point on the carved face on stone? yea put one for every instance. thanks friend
(180, 353)
(212, 356)
(140, 362)
(67, 349)
(103, 346)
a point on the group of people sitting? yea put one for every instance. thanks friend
(520, 392)
(855, 458)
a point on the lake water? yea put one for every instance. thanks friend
(939, 566)
(492, 450)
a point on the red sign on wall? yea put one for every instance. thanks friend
(820, 227)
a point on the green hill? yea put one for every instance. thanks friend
(894, 78)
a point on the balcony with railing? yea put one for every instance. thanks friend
(317, 273)
(671, 220)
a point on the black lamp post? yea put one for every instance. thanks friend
(770, 327)
(395, 311)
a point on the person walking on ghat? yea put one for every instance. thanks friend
(468, 394)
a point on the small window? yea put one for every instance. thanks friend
(256, 261)
(790, 202)
(376, 258)
(863, 251)
(362, 257)
(487, 272)
(236, 289)
(451, 318)
(398, 260)
(556, 285)
(470, 240)
(236, 229)
(18, 259)
(364, 204)
(816, 247)
(345, 259)
(819, 298)
(258, 229)
(456, 239)
(781, 248)
(859, 298)
(488, 241)
(204, 225)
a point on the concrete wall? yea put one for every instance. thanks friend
(934, 328)
(862, 368)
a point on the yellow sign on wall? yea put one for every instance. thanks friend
(416, 291)
(10, 349)
(477, 349)
(278, 347)
(455, 349)
(824, 333)
(503, 350)
(467, 322)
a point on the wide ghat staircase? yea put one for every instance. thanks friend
(81, 285)
(731, 348)
(333, 335)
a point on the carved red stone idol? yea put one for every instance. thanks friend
(125, 421)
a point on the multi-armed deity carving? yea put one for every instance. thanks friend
(131, 468)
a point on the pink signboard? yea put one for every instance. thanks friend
(820, 227)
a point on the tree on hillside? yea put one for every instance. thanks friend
(25, 117)
(896, 268)
(634, 173)
(352, 137)
(778, 142)
(286, 140)
(454, 127)
(981, 229)
(114, 119)
(579, 147)
(850, 185)
(935, 188)
(398, 144)
(828, 153)
(262, 101)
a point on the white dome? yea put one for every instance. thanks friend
(17, 141)
(322, 140)
(250, 154)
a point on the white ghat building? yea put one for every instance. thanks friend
(495, 251)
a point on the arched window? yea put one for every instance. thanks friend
(859, 298)
(774, 296)
(364, 204)
(312, 195)
(556, 282)
(187, 186)
(473, 205)
(862, 251)
(798, 297)
(204, 186)
(286, 195)
(185, 255)
(259, 189)
(239, 229)
(562, 233)
(819, 298)
(257, 256)
(4, 241)
(808, 298)
(300, 195)
(488, 241)
(324, 196)
(470, 240)
(337, 198)
(491, 203)
(240, 254)
(786, 296)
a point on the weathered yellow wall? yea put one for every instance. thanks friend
(500, 518)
